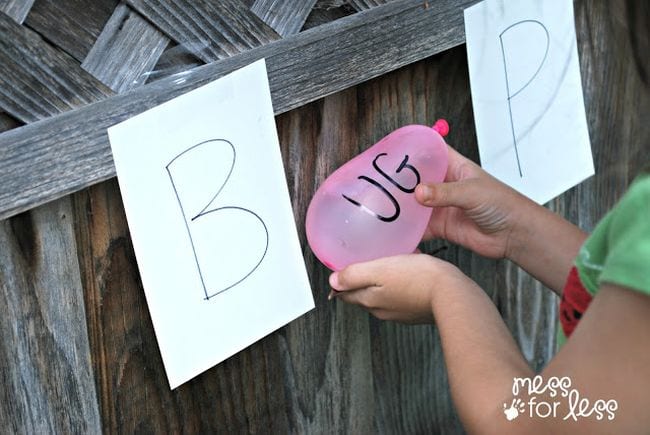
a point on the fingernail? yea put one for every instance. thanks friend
(332, 295)
(334, 280)
(425, 192)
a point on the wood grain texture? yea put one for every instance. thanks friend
(174, 60)
(616, 102)
(407, 361)
(362, 5)
(324, 15)
(16, 9)
(301, 68)
(71, 25)
(330, 4)
(44, 296)
(210, 30)
(334, 370)
(46, 382)
(37, 80)
(126, 50)
(285, 16)
(44, 351)
(331, 344)
(289, 382)
(133, 393)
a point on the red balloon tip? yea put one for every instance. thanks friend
(442, 127)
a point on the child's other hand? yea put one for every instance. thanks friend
(398, 288)
(473, 209)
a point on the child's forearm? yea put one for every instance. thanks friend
(545, 245)
(481, 356)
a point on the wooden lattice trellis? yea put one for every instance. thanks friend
(104, 48)
(77, 349)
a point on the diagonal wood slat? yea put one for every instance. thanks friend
(362, 5)
(16, 9)
(210, 30)
(38, 81)
(322, 13)
(63, 154)
(71, 25)
(127, 48)
(285, 16)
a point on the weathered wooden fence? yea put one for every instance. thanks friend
(77, 348)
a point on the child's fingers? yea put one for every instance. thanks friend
(359, 297)
(459, 166)
(462, 194)
(355, 276)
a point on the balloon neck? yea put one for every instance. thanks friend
(442, 127)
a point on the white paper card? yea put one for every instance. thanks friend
(208, 208)
(527, 95)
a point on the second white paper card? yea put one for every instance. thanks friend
(527, 95)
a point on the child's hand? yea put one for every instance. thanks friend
(398, 288)
(472, 208)
(477, 211)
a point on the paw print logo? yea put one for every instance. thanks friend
(516, 408)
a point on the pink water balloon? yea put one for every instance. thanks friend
(367, 208)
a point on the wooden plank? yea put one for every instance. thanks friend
(44, 352)
(407, 361)
(210, 30)
(246, 394)
(176, 59)
(46, 280)
(118, 319)
(47, 384)
(362, 5)
(267, 388)
(285, 16)
(16, 9)
(36, 80)
(320, 16)
(331, 4)
(43, 324)
(63, 154)
(125, 51)
(71, 25)
(328, 373)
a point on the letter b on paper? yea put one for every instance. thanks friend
(213, 230)
(198, 175)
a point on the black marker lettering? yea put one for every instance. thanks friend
(513, 93)
(386, 192)
(402, 165)
(210, 292)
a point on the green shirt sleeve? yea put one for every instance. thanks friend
(628, 258)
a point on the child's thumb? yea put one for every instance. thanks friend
(461, 194)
